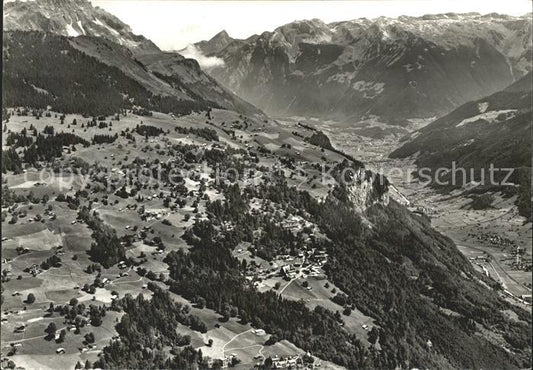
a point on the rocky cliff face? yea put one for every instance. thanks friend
(391, 68)
(367, 191)
(359, 187)
(219, 42)
(72, 18)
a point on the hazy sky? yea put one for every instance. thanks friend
(172, 25)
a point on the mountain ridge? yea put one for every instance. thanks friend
(211, 256)
(494, 130)
(386, 67)
(103, 36)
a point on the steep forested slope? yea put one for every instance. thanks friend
(81, 83)
(111, 42)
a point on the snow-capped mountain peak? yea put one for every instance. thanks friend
(110, 41)
(411, 67)
(71, 18)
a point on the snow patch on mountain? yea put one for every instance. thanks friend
(489, 117)
(430, 64)
(40, 90)
(318, 39)
(344, 77)
(81, 27)
(408, 67)
(298, 73)
(71, 31)
(483, 106)
(369, 89)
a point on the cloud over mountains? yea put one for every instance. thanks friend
(205, 62)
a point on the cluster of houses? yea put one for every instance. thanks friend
(496, 240)
(154, 214)
(225, 362)
(51, 214)
(297, 361)
(294, 223)
(480, 258)
(301, 361)
(526, 298)
(306, 263)
(34, 270)
(519, 260)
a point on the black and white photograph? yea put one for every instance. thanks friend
(266, 184)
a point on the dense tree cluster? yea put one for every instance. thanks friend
(82, 84)
(320, 139)
(104, 139)
(46, 148)
(106, 248)
(19, 139)
(148, 130)
(229, 294)
(149, 326)
(52, 261)
(9, 197)
(206, 133)
(11, 161)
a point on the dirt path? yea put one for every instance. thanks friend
(250, 346)
(232, 339)
(114, 282)
(36, 337)
(289, 283)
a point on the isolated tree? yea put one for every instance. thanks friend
(347, 311)
(51, 329)
(62, 336)
(200, 302)
(89, 337)
(373, 335)
(30, 299)
(96, 320)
